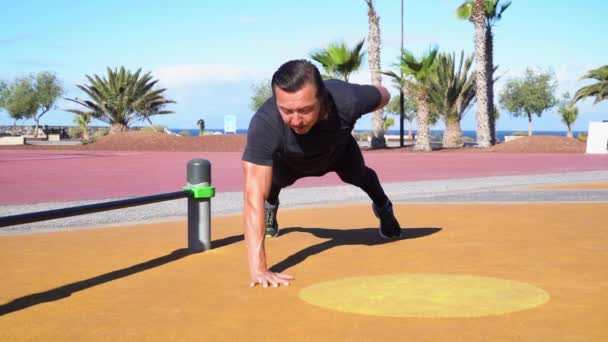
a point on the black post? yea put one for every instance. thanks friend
(401, 100)
(199, 207)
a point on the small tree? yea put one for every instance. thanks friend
(121, 98)
(20, 101)
(451, 93)
(3, 93)
(387, 122)
(420, 71)
(409, 109)
(568, 112)
(532, 94)
(83, 121)
(32, 96)
(261, 93)
(201, 126)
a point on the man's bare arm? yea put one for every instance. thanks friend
(257, 186)
(385, 96)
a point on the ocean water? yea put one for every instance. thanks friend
(436, 133)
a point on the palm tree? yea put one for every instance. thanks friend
(568, 112)
(420, 72)
(83, 121)
(451, 92)
(378, 140)
(387, 122)
(338, 60)
(122, 98)
(484, 14)
(409, 109)
(599, 90)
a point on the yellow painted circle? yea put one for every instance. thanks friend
(424, 295)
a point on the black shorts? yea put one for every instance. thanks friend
(348, 163)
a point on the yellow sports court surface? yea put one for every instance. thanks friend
(462, 272)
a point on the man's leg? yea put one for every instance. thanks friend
(282, 176)
(351, 169)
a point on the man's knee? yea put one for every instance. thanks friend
(356, 176)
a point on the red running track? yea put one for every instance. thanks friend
(50, 176)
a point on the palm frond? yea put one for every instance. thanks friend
(503, 8)
(452, 87)
(338, 60)
(465, 11)
(599, 90)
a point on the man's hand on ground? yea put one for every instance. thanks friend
(268, 278)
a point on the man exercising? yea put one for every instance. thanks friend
(305, 130)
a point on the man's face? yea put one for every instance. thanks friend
(299, 110)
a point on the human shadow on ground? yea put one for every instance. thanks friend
(343, 237)
(336, 237)
(67, 290)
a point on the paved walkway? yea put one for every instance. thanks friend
(497, 247)
(47, 176)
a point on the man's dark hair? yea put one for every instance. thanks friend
(293, 75)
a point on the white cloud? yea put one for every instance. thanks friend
(188, 74)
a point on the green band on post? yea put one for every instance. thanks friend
(201, 192)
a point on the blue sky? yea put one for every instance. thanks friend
(209, 53)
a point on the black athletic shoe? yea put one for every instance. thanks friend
(270, 219)
(389, 226)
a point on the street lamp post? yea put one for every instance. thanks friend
(401, 100)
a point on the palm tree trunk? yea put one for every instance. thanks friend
(529, 124)
(118, 128)
(36, 128)
(452, 136)
(85, 133)
(423, 138)
(569, 134)
(378, 140)
(409, 130)
(483, 124)
(490, 83)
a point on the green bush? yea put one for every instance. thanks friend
(582, 137)
(519, 134)
(101, 132)
(184, 133)
(75, 132)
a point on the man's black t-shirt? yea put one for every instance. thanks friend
(268, 138)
